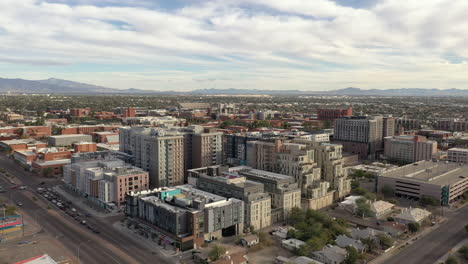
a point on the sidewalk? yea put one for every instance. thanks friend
(452, 251)
(80, 202)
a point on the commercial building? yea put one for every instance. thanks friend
(21, 144)
(185, 216)
(362, 135)
(458, 155)
(80, 112)
(229, 184)
(84, 147)
(36, 132)
(104, 179)
(443, 181)
(409, 148)
(68, 140)
(333, 113)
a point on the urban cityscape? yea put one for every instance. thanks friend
(233, 151)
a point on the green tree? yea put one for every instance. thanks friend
(216, 252)
(352, 257)
(387, 191)
(10, 210)
(413, 227)
(363, 207)
(451, 260)
(370, 243)
(385, 240)
(464, 252)
(226, 123)
(428, 201)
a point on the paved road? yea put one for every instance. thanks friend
(107, 247)
(431, 247)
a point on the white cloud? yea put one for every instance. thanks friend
(271, 44)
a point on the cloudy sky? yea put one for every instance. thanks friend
(251, 44)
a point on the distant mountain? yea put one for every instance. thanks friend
(58, 86)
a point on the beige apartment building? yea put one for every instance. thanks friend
(409, 148)
(458, 155)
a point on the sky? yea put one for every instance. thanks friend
(184, 45)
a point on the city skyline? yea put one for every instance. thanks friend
(249, 44)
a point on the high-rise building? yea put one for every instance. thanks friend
(362, 135)
(166, 153)
(459, 155)
(452, 125)
(409, 148)
(406, 124)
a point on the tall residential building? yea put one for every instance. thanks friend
(166, 153)
(388, 126)
(105, 181)
(459, 155)
(235, 148)
(185, 216)
(452, 125)
(333, 113)
(298, 160)
(406, 124)
(362, 135)
(409, 148)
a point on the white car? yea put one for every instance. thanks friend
(22, 188)
(73, 210)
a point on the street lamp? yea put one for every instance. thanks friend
(79, 246)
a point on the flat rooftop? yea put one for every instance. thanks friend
(262, 173)
(440, 173)
(70, 136)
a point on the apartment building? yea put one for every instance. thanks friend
(236, 147)
(296, 160)
(409, 148)
(406, 124)
(257, 203)
(284, 190)
(458, 155)
(185, 216)
(333, 113)
(452, 125)
(105, 181)
(362, 135)
(166, 153)
(445, 181)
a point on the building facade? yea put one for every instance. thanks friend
(409, 148)
(458, 155)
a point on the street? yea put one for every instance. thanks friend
(431, 247)
(107, 247)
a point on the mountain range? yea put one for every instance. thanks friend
(59, 86)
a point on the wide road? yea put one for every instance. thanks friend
(109, 246)
(434, 245)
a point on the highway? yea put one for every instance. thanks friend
(110, 246)
(434, 245)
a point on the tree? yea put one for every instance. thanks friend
(363, 207)
(217, 252)
(464, 252)
(10, 210)
(413, 227)
(451, 260)
(47, 172)
(466, 228)
(226, 123)
(360, 191)
(429, 201)
(370, 243)
(352, 257)
(387, 191)
(385, 240)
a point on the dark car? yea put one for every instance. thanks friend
(96, 231)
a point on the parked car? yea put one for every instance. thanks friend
(14, 187)
(22, 188)
(19, 203)
(83, 222)
(73, 210)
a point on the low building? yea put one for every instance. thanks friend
(295, 260)
(292, 244)
(330, 254)
(185, 216)
(85, 147)
(21, 144)
(393, 228)
(375, 168)
(68, 140)
(443, 181)
(249, 240)
(366, 233)
(344, 241)
(41, 259)
(381, 208)
(412, 215)
(349, 204)
(458, 155)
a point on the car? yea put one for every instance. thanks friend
(83, 222)
(77, 219)
(59, 204)
(73, 210)
(88, 215)
(42, 183)
(14, 187)
(19, 203)
(54, 201)
(79, 214)
(96, 231)
(22, 188)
